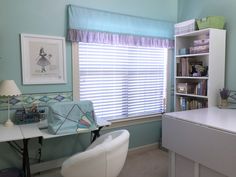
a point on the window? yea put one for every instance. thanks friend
(122, 81)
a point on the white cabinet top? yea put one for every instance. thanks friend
(222, 119)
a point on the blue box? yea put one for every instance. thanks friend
(183, 51)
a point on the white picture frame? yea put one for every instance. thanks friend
(43, 59)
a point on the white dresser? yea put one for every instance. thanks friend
(201, 143)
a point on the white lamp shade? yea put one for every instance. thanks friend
(9, 88)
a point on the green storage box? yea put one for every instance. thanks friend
(211, 22)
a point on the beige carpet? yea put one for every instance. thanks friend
(150, 163)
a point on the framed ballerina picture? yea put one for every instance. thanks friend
(43, 59)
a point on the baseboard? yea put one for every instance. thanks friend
(47, 165)
(143, 148)
(55, 164)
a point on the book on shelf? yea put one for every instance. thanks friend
(185, 103)
(195, 88)
(179, 68)
(201, 88)
(184, 66)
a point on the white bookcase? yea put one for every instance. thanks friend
(195, 89)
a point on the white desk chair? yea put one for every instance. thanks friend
(105, 157)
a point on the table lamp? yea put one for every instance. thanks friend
(9, 89)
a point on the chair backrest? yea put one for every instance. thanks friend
(103, 158)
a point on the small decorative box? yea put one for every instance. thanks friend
(182, 88)
(186, 88)
(23, 117)
(183, 51)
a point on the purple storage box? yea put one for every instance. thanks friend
(199, 49)
(201, 42)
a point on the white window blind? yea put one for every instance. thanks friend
(123, 81)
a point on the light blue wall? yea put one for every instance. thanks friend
(33, 17)
(189, 9)
(48, 17)
(155, 9)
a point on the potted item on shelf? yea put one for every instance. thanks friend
(224, 95)
(199, 70)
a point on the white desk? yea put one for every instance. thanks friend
(28, 131)
(202, 142)
(33, 130)
(10, 133)
(222, 119)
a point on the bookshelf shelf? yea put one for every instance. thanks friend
(199, 75)
(192, 95)
(192, 55)
(194, 33)
(186, 77)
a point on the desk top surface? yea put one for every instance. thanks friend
(33, 131)
(222, 119)
(10, 133)
(26, 131)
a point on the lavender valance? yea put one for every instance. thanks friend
(91, 25)
(117, 39)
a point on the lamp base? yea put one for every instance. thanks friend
(8, 123)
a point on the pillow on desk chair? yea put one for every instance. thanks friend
(71, 117)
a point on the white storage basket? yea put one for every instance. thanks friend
(185, 27)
